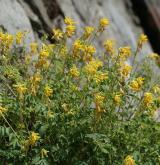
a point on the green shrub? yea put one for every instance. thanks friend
(66, 105)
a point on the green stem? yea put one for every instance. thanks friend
(9, 125)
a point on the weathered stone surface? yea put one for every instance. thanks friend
(13, 18)
(40, 16)
(149, 13)
(48, 15)
(122, 28)
(34, 20)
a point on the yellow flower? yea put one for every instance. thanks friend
(70, 30)
(153, 56)
(41, 63)
(99, 98)
(74, 72)
(46, 64)
(19, 37)
(48, 91)
(27, 59)
(33, 138)
(77, 47)
(109, 46)
(21, 89)
(6, 41)
(129, 160)
(124, 52)
(136, 84)
(89, 50)
(88, 30)
(35, 80)
(100, 77)
(148, 98)
(69, 21)
(125, 70)
(50, 114)
(44, 153)
(34, 47)
(63, 52)
(117, 99)
(103, 23)
(92, 67)
(74, 88)
(46, 50)
(57, 34)
(156, 89)
(142, 39)
(44, 53)
(3, 110)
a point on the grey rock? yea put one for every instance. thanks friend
(13, 18)
(157, 115)
(122, 27)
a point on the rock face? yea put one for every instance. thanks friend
(40, 16)
(149, 14)
(122, 28)
(13, 18)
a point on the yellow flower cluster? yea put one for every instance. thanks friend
(48, 91)
(117, 99)
(125, 70)
(44, 53)
(80, 49)
(63, 52)
(103, 23)
(147, 99)
(153, 56)
(31, 141)
(129, 160)
(69, 21)
(34, 47)
(19, 37)
(156, 89)
(100, 77)
(99, 98)
(74, 72)
(35, 80)
(33, 138)
(137, 84)
(77, 48)
(124, 52)
(109, 46)
(44, 153)
(89, 50)
(142, 39)
(3, 110)
(88, 30)
(92, 67)
(21, 90)
(6, 41)
(57, 34)
(70, 28)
